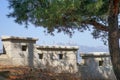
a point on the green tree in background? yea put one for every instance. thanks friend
(71, 15)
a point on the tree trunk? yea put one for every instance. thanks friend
(113, 37)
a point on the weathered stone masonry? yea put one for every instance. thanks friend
(96, 65)
(19, 51)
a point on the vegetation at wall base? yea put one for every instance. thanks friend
(26, 73)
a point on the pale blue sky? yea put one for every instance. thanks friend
(10, 28)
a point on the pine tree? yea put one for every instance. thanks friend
(71, 15)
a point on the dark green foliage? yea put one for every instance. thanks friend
(60, 15)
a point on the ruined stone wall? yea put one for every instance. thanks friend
(24, 52)
(94, 68)
(7, 47)
(19, 51)
(21, 57)
(51, 60)
(5, 60)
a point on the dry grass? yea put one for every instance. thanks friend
(26, 73)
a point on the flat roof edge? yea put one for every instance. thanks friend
(17, 38)
(95, 55)
(59, 47)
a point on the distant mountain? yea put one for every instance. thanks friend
(86, 49)
(83, 48)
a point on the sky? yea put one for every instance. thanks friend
(9, 28)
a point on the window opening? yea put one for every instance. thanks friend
(60, 56)
(40, 56)
(24, 47)
(100, 63)
(4, 51)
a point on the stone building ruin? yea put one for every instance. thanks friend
(96, 65)
(20, 51)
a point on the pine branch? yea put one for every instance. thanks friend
(96, 25)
